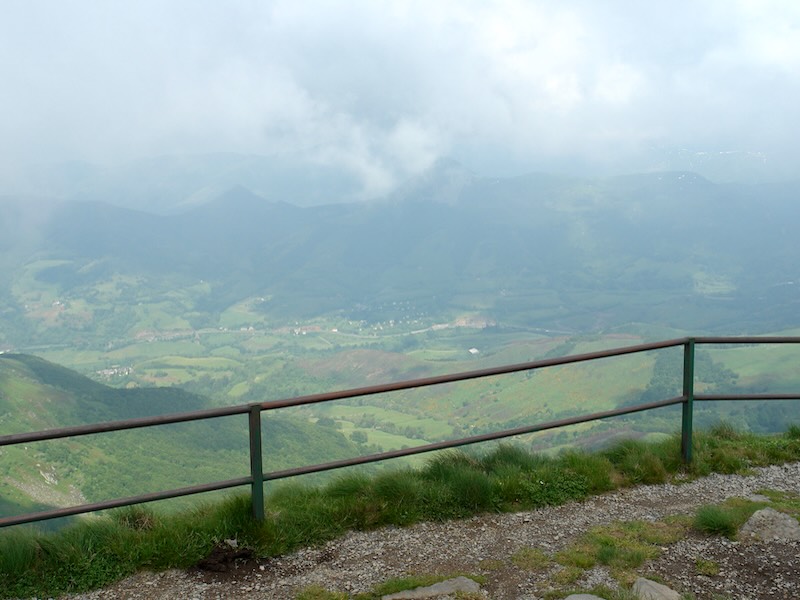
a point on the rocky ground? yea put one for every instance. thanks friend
(484, 546)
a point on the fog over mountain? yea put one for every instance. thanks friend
(542, 251)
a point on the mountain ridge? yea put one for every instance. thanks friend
(662, 248)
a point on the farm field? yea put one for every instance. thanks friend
(254, 365)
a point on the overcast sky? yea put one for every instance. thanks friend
(381, 89)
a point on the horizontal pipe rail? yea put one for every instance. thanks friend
(360, 460)
(748, 340)
(767, 396)
(255, 408)
(111, 426)
(486, 437)
(466, 375)
(120, 502)
(52, 434)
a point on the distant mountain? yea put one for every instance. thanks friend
(36, 394)
(170, 184)
(722, 165)
(539, 250)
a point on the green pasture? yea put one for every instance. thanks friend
(257, 344)
(242, 314)
(195, 363)
(160, 316)
(438, 354)
(382, 439)
(771, 365)
(710, 284)
(522, 348)
(177, 370)
(114, 289)
(239, 389)
(28, 288)
(229, 352)
(133, 353)
(543, 393)
(432, 428)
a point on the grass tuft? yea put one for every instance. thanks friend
(639, 462)
(317, 592)
(725, 431)
(530, 559)
(622, 547)
(511, 456)
(726, 518)
(716, 521)
(709, 568)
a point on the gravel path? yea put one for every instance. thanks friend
(484, 544)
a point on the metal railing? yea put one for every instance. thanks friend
(257, 477)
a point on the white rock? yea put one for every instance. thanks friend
(644, 589)
(769, 524)
(451, 586)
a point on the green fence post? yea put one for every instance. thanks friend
(256, 469)
(688, 402)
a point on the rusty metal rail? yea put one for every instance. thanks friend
(257, 477)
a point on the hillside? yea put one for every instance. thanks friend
(36, 394)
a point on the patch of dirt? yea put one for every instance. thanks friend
(228, 560)
(755, 570)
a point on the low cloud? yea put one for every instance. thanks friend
(382, 90)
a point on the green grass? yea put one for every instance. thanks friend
(392, 586)
(709, 568)
(432, 428)
(530, 559)
(386, 441)
(723, 449)
(621, 546)
(725, 519)
(317, 592)
(770, 362)
(452, 484)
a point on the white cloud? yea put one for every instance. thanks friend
(383, 89)
(617, 84)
